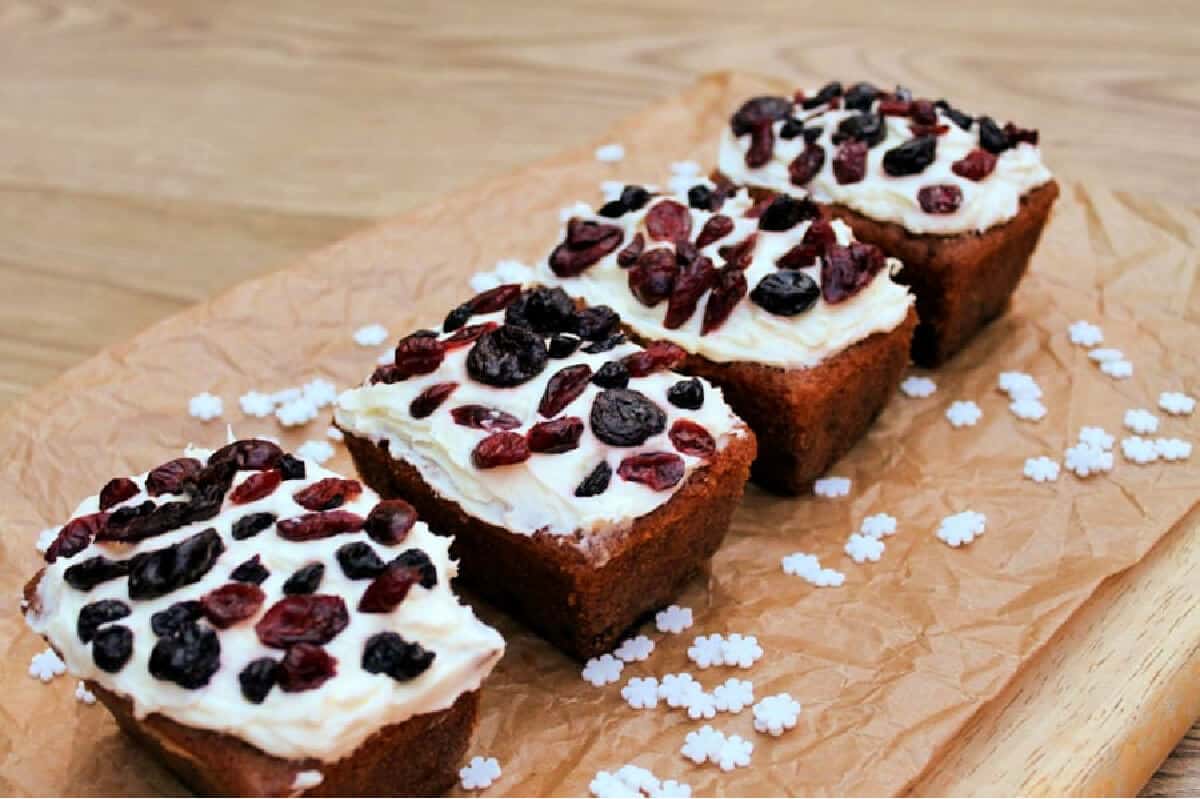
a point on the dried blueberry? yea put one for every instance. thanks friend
(786, 293)
(176, 617)
(812, 134)
(791, 128)
(625, 418)
(87, 574)
(507, 356)
(390, 654)
(258, 678)
(902, 93)
(411, 567)
(292, 468)
(613, 374)
(687, 394)
(562, 346)
(154, 574)
(704, 198)
(597, 347)
(634, 197)
(964, 121)
(595, 323)
(457, 317)
(251, 525)
(359, 561)
(93, 614)
(758, 111)
(785, 212)
(112, 648)
(991, 136)
(653, 276)
(251, 571)
(613, 209)
(305, 580)
(188, 657)
(596, 483)
(910, 158)
(860, 96)
(825, 95)
(867, 128)
(542, 310)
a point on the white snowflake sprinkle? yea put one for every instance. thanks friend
(46, 665)
(602, 670)
(611, 189)
(679, 185)
(334, 434)
(963, 413)
(735, 753)
(320, 392)
(800, 564)
(607, 786)
(961, 528)
(707, 651)
(634, 649)
(917, 387)
(677, 689)
(703, 745)
(776, 714)
(610, 153)
(1105, 354)
(1041, 469)
(862, 548)
(701, 705)
(832, 487)
(1030, 410)
(734, 695)
(286, 395)
(880, 525)
(1019, 385)
(673, 789)
(1117, 370)
(1173, 449)
(315, 450)
(1176, 403)
(296, 412)
(685, 168)
(386, 357)
(1085, 460)
(256, 404)
(1141, 421)
(1139, 450)
(673, 619)
(82, 694)
(1096, 437)
(740, 650)
(205, 406)
(371, 335)
(641, 692)
(46, 538)
(1085, 334)
(483, 281)
(510, 270)
(480, 773)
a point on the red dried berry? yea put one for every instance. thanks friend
(716, 228)
(942, 198)
(817, 239)
(465, 335)
(389, 522)
(75, 536)
(256, 486)
(656, 356)
(628, 256)
(740, 255)
(669, 221)
(762, 145)
(302, 619)
(116, 491)
(847, 270)
(923, 112)
(411, 567)
(728, 289)
(653, 276)
(500, 449)
(850, 162)
(249, 453)
(231, 603)
(312, 526)
(807, 164)
(756, 210)
(656, 470)
(563, 388)
(1017, 135)
(482, 417)
(387, 374)
(496, 299)
(757, 110)
(692, 439)
(975, 165)
(929, 130)
(328, 493)
(430, 399)
(586, 243)
(419, 354)
(170, 477)
(694, 278)
(305, 667)
(556, 435)
(894, 108)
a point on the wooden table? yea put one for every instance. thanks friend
(152, 154)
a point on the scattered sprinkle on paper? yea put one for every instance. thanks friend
(611, 189)
(1030, 410)
(1139, 450)
(205, 406)
(1176, 403)
(1141, 421)
(673, 619)
(256, 404)
(963, 413)
(386, 357)
(880, 525)
(296, 412)
(634, 649)
(641, 693)
(46, 538)
(801, 564)
(320, 392)
(1105, 354)
(1019, 385)
(610, 153)
(740, 650)
(712, 746)
(1085, 334)
(677, 689)
(46, 665)
(1085, 460)
(479, 773)
(960, 529)
(1041, 469)
(701, 705)
(1173, 449)
(862, 548)
(1117, 370)
(832, 487)
(578, 208)
(685, 168)
(776, 714)
(371, 335)
(1096, 437)
(917, 387)
(733, 695)
(635, 781)
(315, 450)
(82, 694)
(602, 670)
(706, 651)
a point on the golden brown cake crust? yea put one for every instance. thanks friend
(582, 600)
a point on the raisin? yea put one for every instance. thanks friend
(716, 228)
(613, 209)
(176, 617)
(250, 571)
(562, 346)
(258, 678)
(812, 134)
(256, 486)
(466, 335)
(687, 394)
(556, 435)
(116, 491)
(653, 276)
(359, 561)
(563, 388)
(625, 418)
(991, 137)
(328, 493)
(542, 310)
(702, 198)
(597, 347)
(1017, 135)
(634, 197)
(390, 654)
(612, 374)
(112, 648)
(786, 293)
(75, 536)
(727, 291)
(87, 574)
(668, 221)
(629, 256)
(430, 399)
(975, 165)
(312, 526)
(157, 573)
(251, 525)
(139, 522)
(740, 255)
(923, 112)
(482, 417)
(305, 667)
(823, 97)
(692, 439)
(860, 96)
(791, 128)
(586, 243)
(292, 468)
(231, 603)
(929, 130)
(507, 356)
(596, 483)
(93, 614)
(847, 270)
(305, 580)
(762, 145)
(694, 278)
(302, 619)
(500, 449)
(807, 164)
(170, 476)
(757, 110)
(910, 158)
(850, 162)
(964, 121)
(457, 317)
(411, 567)
(657, 355)
(247, 454)
(419, 355)
(656, 470)
(785, 212)
(866, 128)
(595, 323)
(387, 374)
(388, 522)
(942, 198)
(188, 657)
(894, 107)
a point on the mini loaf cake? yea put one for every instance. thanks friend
(960, 200)
(802, 327)
(585, 482)
(268, 628)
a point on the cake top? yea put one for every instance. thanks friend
(922, 164)
(535, 416)
(256, 594)
(728, 278)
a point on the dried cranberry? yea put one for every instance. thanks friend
(687, 394)
(563, 388)
(112, 648)
(975, 165)
(466, 335)
(653, 277)
(762, 145)
(328, 493)
(860, 96)
(87, 574)
(507, 356)
(740, 255)
(562, 345)
(866, 128)
(623, 417)
(964, 121)
(292, 468)
(390, 654)
(760, 205)
(482, 417)
(430, 399)
(312, 526)
(894, 108)
(251, 571)
(258, 678)
(785, 212)
(923, 112)
(542, 310)
(825, 96)
(942, 198)
(657, 355)
(1017, 135)
(556, 435)
(702, 198)
(305, 667)
(188, 657)
(251, 525)
(991, 137)
(255, 487)
(597, 347)
(305, 580)
(910, 158)
(716, 228)
(76, 535)
(596, 483)
(850, 162)
(500, 449)
(304, 618)
(758, 110)
(93, 614)
(817, 239)
(694, 278)
(786, 293)
(247, 454)
(161, 571)
(807, 164)
(586, 243)
(389, 521)
(612, 374)
(668, 221)
(419, 354)
(495, 299)
(728, 290)
(116, 491)
(359, 561)
(231, 603)
(847, 270)
(411, 567)
(656, 470)
(692, 439)
(387, 374)
(176, 617)
(629, 256)
(595, 323)
(170, 476)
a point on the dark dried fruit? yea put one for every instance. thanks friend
(611, 374)
(419, 354)
(467, 335)
(740, 255)
(818, 238)
(657, 355)
(390, 654)
(292, 468)
(807, 164)
(613, 209)
(625, 418)
(500, 449)
(964, 121)
(786, 293)
(75, 536)
(1017, 135)
(112, 648)
(176, 617)
(728, 290)
(687, 394)
(359, 561)
(249, 453)
(170, 476)
(231, 603)
(495, 299)
(430, 399)
(116, 491)
(507, 356)
(328, 493)
(595, 322)
(256, 486)
(562, 346)
(910, 158)
(258, 678)
(702, 198)
(866, 128)
(596, 483)
(785, 212)
(302, 619)
(251, 525)
(656, 470)
(692, 439)
(597, 347)
(860, 96)
(975, 165)
(305, 667)
(542, 310)
(482, 417)
(850, 162)
(668, 221)
(305, 580)
(139, 522)
(563, 388)
(791, 128)
(251, 571)
(894, 107)
(923, 112)
(586, 243)
(634, 197)
(694, 278)
(824, 96)
(411, 567)
(653, 276)
(161, 571)
(758, 110)
(716, 228)
(93, 614)
(942, 198)
(312, 526)
(457, 317)
(847, 270)
(762, 145)
(991, 137)
(628, 256)
(188, 657)
(87, 574)
(389, 522)
(556, 435)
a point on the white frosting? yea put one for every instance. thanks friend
(985, 203)
(326, 723)
(537, 494)
(750, 333)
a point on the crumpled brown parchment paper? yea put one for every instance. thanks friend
(888, 667)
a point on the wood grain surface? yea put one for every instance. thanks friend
(154, 153)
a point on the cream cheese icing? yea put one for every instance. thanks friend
(327, 722)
